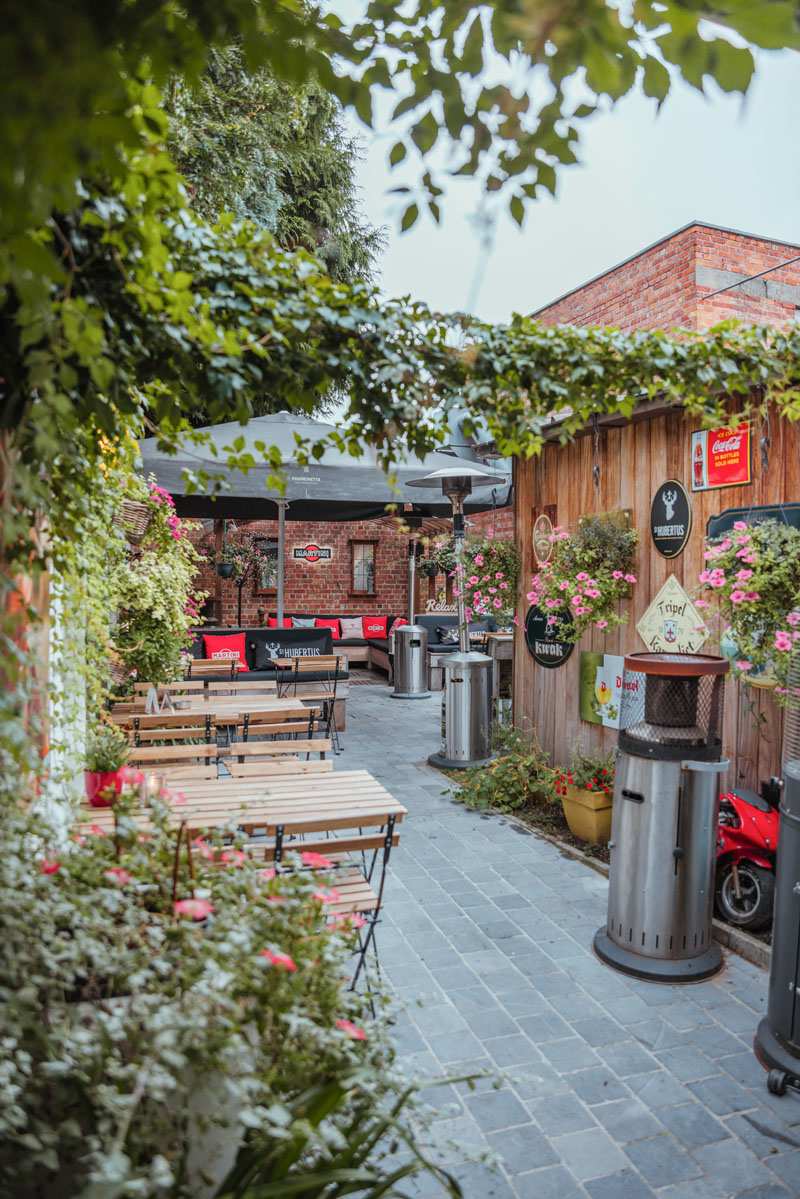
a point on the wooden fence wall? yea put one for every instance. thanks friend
(634, 459)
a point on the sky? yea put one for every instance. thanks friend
(714, 158)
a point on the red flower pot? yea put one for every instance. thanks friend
(99, 785)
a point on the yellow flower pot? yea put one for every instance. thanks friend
(588, 813)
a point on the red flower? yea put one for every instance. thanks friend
(279, 959)
(339, 920)
(204, 850)
(588, 786)
(49, 866)
(316, 860)
(235, 857)
(118, 876)
(267, 874)
(351, 1031)
(604, 771)
(326, 895)
(131, 777)
(97, 830)
(198, 909)
(276, 900)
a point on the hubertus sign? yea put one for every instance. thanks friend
(671, 518)
(312, 553)
(544, 644)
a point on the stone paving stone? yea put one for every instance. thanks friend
(570, 1054)
(561, 1113)
(545, 1026)
(661, 1161)
(687, 1064)
(627, 1120)
(552, 1183)
(473, 999)
(733, 1166)
(521, 1149)
(452, 1047)
(692, 1125)
(658, 1090)
(698, 1188)
(600, 1030)
(512, 1051)
(598, 1085)
(591, 1154)
(787, 1167)
(495, 1110)
(627, 1059)
(765, 1134)
(721, 1095)
(627, 1185)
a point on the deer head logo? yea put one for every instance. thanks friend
(669, 498)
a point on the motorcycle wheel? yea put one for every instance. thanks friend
(753, 909)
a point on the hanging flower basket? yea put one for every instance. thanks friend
(134, 519)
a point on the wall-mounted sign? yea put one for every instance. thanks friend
(312, 553)
(434, 605)
(671, 518)
(541, 538)
(721, 457)
(600, 694)
(544, 644)
(672, 624)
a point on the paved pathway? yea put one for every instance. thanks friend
(632, 1089)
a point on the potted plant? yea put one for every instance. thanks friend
(752, 578)
(518, 777)
(105, 775)
(590, 571)
(587, 792)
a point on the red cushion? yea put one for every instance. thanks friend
(272, 622)
(319, 623)
(396, 623)
(374, 626)
(230, 645)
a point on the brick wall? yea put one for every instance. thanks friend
(324, 586)
(662, 286)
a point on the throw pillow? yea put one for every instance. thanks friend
(272, 622)
(447, 634)
(303, 622)
(352, 627)
(329, 624)
(374, 626)
(229, 646)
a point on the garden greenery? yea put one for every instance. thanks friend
(518, 776)
(588, 574)
(751, 584)
(488, 574)
(147, 1006)
(589, 772)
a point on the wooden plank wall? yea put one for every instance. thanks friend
(634, 460)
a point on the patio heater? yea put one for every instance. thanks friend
(467, 675)
(411, 640)
(664, 822)
(777, 1041)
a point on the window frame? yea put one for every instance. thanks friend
(352, 543)
(257, 588)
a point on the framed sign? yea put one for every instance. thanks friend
(671, 518)
(542, 524)
(544, 644)
(721, 457)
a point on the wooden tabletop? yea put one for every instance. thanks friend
(234, 707)
(299, 803)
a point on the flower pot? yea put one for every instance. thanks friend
(225, 569)
(588, 813)
(98, 785)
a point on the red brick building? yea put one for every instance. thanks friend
(671, 284)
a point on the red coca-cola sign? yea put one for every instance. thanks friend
(721, 457)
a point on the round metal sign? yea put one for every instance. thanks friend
(671, 518)
(540, 537)
(542, 640)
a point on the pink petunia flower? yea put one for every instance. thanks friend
(351, 1031)
(630, 578)
(279, 959)
(49, 866)
(743, 575)
(752, 596)
(737, 596)
(616, 574)
(479, 560)
(793, 618)
(783, 641)
(473, 580)
(739, 525)
(743, 665)
(601, 624)
(118, 876)
(197, 909)
(497, 603)
(582, 576)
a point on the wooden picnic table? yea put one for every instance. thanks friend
(231, 709)
(296, 803)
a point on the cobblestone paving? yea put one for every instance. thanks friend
(621, 1089)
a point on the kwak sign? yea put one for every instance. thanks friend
(671, 518)
(542, 639)
(312, 553)
(672, 624)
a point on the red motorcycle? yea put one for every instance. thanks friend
(748, 839)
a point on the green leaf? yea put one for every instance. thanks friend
(517, 209)
(398, 153)
(655, 79)
(409, 217)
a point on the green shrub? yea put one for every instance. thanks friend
(520, 775)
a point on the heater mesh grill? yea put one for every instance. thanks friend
(672, 716)
(791, 725)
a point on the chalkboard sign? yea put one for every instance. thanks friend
(788, 513)
(544, 644)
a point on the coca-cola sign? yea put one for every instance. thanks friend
(721, 457)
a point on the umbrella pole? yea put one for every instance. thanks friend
(281, 553)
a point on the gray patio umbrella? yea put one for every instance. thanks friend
(338, 487)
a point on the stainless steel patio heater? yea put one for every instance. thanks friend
(411, 640)
(467, 675)
(777, 1041)
(664, 822)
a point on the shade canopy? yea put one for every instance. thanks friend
(337, 487)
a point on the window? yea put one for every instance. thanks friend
(362, 567)
(267, 569)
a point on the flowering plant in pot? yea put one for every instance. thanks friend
(751, 586)
(590, 571)
(107, 752)
(488, 577)
(587, 792)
